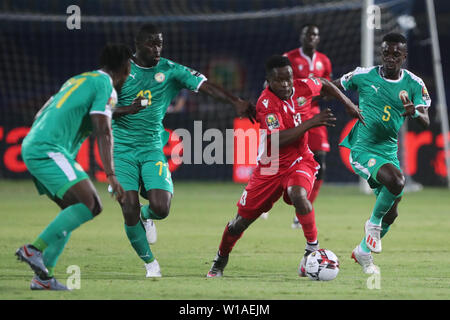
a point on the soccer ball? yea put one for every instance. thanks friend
(322, 265)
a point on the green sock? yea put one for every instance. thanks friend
(65, 222)
(385, 200)
(136, 235)
(52, 253)
(364, 246)
(147, 213)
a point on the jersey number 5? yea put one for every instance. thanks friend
(147, 94)
(387, 114)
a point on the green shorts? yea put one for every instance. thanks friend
(366, 165)
(54, 173)
(140, 169)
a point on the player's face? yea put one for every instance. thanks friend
(393, 55)
(149, 51)
(309, 37)
(281, 82)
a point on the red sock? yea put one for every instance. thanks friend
(308, 222)
(315, 190)
(228, 242)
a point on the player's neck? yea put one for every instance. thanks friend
(391, 76)
(141, 62)
(309, 51)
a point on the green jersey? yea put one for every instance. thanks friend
(64, 122)
(382, 107)
(159, 84)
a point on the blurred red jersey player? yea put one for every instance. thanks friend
(286, 166)
(307, 62)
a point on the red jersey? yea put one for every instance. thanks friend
(305, 67)
(274, 114)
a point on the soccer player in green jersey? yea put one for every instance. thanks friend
(387, 95)
(139, 136)
(83, 105)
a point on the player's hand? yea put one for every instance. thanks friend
(245, 109)
(137, 105)
(408, 105)
(324, 118)
(354, 112)
(117, 190)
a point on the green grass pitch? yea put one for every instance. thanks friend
(415, 262)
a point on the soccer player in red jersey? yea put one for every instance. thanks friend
(290, 169)
(307, 62)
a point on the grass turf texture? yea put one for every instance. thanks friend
(414, 263)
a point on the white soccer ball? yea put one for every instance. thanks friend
(322, 265)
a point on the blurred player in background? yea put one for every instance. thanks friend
(387, 95)
(83, 105)
(139, 136)
(307, 62)
(278, 112)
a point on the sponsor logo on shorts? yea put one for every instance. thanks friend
(78, 167)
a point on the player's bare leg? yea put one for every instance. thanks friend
(305, 214)
(232, 233)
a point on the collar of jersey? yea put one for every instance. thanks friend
(310, 62)
(390, 80)
(144, 68)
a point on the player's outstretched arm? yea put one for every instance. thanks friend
(324, 118)
(102, 131)
(419, 113)
(329, 89)
(137, 105)
(243, 108)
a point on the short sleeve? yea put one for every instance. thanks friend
(105, 97)
(314, 84)
(189, 78)
(348, 80)
(328, 69)
(268, 116)
(420, 96)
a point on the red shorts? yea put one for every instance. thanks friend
(318, 139)
(262, 191)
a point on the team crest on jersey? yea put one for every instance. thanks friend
(301, 101)
(319, 65)
(111, 102)
(371, 162)
(272, 121)
(403, 95)
(160, 77)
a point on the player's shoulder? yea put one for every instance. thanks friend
(359, 72)
(322, 56)
(267, 101)
(292, 53)
(413, 78)
(306, 83)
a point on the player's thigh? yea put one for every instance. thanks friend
(392, 177)
(159, 201)
(298, 185)
(318, 139)
(259, 196)
(83, 192)
(367, 165)
(127, 171)
(54, 173)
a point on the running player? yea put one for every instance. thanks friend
(83, 105)
(387, 95)
(308, 62)
(139, 136)
(291, 174)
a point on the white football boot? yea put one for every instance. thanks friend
(373, 237)
(296, 224)
(366, 261)
(153, 269)
(264, 215)
(150, 230)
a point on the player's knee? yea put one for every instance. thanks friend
(131, 212)
(396, 184)
(161, 209)
(238, 225)
(299, 198)
(95, 206)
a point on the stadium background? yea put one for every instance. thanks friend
(227, 41)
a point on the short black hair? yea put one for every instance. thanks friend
(114, 56)
(394, 37)
(308, 25)
(145, 30)
(276, 61)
